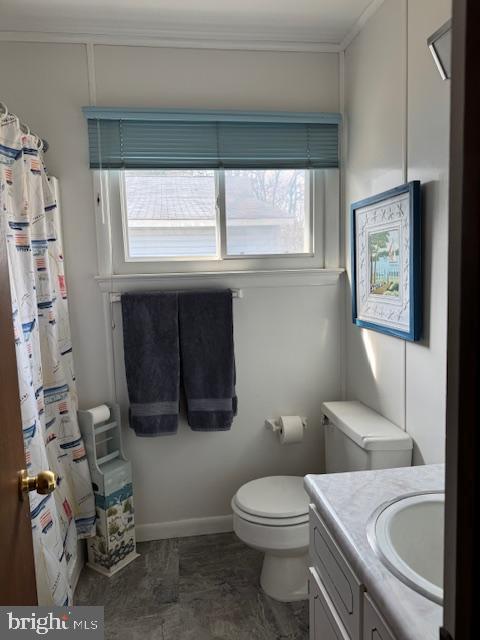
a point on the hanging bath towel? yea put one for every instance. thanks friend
(208, 360)
(152, 361)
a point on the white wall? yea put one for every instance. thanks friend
(287, 339)
(287, 344)
(397, 124)
(146, 77)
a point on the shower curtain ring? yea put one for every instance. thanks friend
(4, 107)
(39, 143)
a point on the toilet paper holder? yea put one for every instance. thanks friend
(274, 423)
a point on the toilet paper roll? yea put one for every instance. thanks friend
(291, 429)
(100, 413)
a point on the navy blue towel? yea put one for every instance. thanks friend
(208, 360)
(152, 361)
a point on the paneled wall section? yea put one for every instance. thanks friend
(397, 129)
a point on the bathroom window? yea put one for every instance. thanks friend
(153, 221)
(202, 214)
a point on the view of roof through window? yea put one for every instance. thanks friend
(172, 213)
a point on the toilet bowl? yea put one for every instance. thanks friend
(271, 515)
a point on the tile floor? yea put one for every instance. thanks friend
(199, 588)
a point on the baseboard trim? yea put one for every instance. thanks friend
(184, 528)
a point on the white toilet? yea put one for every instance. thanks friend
(271, 514)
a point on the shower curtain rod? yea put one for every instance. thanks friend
(4, 112)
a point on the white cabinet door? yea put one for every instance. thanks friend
(343, 587)
(325, 623)
(374, 626)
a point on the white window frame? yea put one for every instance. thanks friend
(112, 238)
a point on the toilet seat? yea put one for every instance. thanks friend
(268, 522)
(279, 501)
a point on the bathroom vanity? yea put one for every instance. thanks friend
(355, 594)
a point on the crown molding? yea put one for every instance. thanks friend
(187, 39)
(372, 8)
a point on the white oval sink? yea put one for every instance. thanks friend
(407, 535)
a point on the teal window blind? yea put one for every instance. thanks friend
(151, 139)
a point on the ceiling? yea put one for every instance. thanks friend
(315, 21)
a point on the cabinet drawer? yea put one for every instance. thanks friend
(340, 582)
(325, 623)
(374, 627)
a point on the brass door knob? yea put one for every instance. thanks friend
(43, 483)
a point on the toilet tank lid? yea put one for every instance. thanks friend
(366, 427)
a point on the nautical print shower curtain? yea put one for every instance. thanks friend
(29, 220)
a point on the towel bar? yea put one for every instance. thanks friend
(116, 297)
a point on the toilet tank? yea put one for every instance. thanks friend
(358, 439)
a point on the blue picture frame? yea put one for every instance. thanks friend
(412, 224)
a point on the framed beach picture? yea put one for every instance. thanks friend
(386, 262)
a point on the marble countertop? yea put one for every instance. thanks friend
(346, 502)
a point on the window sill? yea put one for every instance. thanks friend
(232, 279)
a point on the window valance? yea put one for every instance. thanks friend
(157, 138)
